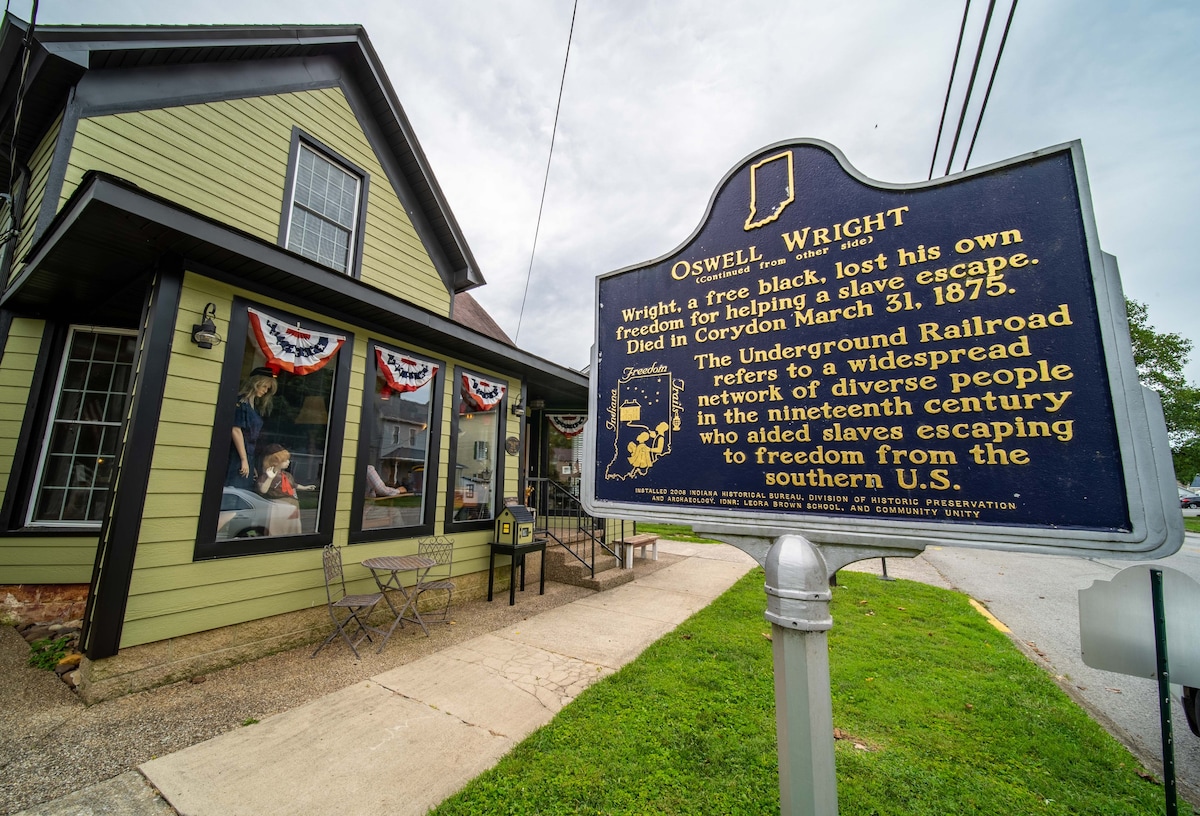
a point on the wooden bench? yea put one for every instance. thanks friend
(626, 546)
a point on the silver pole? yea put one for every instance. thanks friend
(798, 596)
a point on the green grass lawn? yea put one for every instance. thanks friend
(1191, 524)
(674, 532)
(937, 713)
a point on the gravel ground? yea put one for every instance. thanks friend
(52, 744)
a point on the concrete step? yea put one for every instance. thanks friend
(565, 569)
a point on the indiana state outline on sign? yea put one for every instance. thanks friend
(644, 411)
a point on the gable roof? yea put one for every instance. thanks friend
(61, 55)
(467, 311)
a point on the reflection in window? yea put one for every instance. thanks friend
(475, 452)
(399, 411)
(280, 430)
(81, 443)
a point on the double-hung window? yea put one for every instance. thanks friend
(327, 196)
(78, 456)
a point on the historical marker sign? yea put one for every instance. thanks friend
(883, 363)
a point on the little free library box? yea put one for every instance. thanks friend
(879, 364)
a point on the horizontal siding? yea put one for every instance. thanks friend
(47, 560)
(228, 160)
(172, 595)
(32, 559)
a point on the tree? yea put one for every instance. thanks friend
(1160, 358)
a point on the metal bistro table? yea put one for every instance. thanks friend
(517, 553)
(386, 570)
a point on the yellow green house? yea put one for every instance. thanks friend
(236, 327)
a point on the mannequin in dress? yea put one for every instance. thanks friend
(254, 403)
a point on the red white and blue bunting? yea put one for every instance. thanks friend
(483, 394)
(291, 349)
(402, 372)
(568, 425)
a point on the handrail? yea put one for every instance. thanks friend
(561, 515)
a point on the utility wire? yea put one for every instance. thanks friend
(995, 67)
(970, 85)
(946, 104)
(546, 180)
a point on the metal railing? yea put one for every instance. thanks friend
(561, 516)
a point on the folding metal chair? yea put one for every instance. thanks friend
(358, 607)
(437, 579)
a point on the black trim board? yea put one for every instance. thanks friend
(104, 618)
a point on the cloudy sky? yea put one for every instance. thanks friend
(662, 99)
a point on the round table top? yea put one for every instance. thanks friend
(399, 562)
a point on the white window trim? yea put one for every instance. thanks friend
(44, 453)
(357, 219)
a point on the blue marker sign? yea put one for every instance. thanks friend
(829, 351)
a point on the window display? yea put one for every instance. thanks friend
(475, 448)
(397, 415)
(280, 430)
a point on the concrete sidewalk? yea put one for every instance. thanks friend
(403, 741)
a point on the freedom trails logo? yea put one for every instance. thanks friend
(644, 412)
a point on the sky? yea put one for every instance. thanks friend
(662, 99)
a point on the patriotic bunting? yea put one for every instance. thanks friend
(568, 425)
(484, 395)
(403, 372)
(291, 349)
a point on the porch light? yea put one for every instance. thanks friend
(205, 334)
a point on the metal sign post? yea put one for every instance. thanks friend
(1163, 671)
(798, 597)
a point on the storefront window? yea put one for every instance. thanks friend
(476, 452)
(394, 456)
(274, 475)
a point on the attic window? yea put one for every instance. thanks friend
(324, 222)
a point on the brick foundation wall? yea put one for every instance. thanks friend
(42, 603)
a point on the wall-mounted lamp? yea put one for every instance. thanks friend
(205, 335)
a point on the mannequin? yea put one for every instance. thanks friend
(277, 484)
(254, 403)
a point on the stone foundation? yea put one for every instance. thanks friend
(137, 668)
(39, 603)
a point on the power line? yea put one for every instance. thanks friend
(546, 180)
(987, 22)
(949, 84)
(987, 95)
